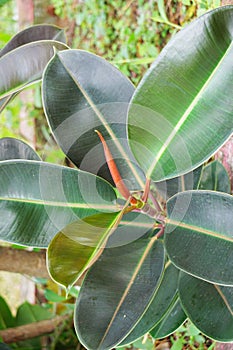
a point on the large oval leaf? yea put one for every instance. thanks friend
(164, 298)
(11, 148)
(180, 113)
(209, 306)
(107, 307)
(174, 318)
(189, 181)
(25, 65)
(34, 33)
(73, 249)
(215, 177)
(28, 35)
(69, 253)
(199, 236)
(38, 199)
(83, 92)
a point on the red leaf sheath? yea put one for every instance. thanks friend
(124, 191)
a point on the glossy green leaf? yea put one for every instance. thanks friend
(171, 322)
(34, 33)
(11, 148)
(38, 199)
(215, 177)
(209, 306)
(107, 307)
(164, 297)
(133, 226)
(28, 313)
(180, 113)
(29, 35)
(50, 295)
(6, 318)
(199, 236)
(81, 93)
(182, 183)
(73, 249)
(25, 64)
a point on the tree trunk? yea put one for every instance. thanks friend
(27, 125)
(32, 330)
(25, 262)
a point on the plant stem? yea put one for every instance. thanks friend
(156, 204)
(31, 330)
(146, 191)
(161, 232)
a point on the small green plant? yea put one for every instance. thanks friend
(141, 217)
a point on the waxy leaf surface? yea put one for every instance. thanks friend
(38, 199)
(83, 93)
(73, 249)
(189, 181)
(180, 113)
(116, 291)
(25, 65)
(174, 318)
(162, 301)
(209, 306)
(215, 177)
(34, 33)
(29, 35)
(11, 148)
(199, 236)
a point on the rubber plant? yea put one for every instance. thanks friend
(146, 216)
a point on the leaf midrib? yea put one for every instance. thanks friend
(60, 204)
(224, 299)
(105, 124)
(199, 229)
(186, 114)
(130, 284)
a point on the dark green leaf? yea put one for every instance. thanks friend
(34, 33)
(28, 313)
(182, 183)
(199, 236)
(6, 318)
(209, 306)
(11, 148)
(164, 297)
(25, 64)
(180, 113)
(83, 92)
(107, 307)
(215, 177)
(28, 35)
(174, 318)
(132, 226)
(38, 199)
